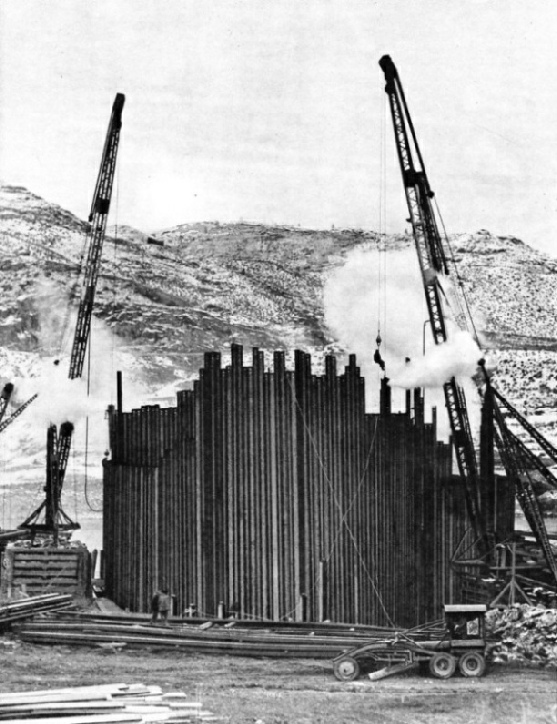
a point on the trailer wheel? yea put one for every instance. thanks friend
(472, 664)
(346, 669)
(442, 665)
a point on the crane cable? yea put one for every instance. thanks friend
(337, 502)
(381, 245)
(64, 327)
(457, 275)
(112, 354)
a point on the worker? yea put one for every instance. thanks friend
(377, 355)
(161, 605)
(459, 628)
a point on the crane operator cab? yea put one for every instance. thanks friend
(465, 623)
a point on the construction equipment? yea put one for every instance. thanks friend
(435, 273)
(460, 643)
(59, 443)
(8, 421)
(98, 219)
(517, 458)
(55, 520)
(525, 471)
(5, 397)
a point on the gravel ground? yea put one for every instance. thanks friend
(270, 691)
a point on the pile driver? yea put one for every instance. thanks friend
(517, 458)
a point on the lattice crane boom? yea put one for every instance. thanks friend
(8, 421)
(433, 266)
(98, 220)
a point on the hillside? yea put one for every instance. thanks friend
(164, 300)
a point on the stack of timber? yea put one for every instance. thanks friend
(102, 704)
(27, 607)
(43, 568)
(309, 641)
(274, 495)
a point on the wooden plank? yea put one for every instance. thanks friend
(88, 719)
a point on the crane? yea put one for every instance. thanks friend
(524, 468)
(97, 218)
(433, 266)
(58, 450)
(517, 458)
(59, 442)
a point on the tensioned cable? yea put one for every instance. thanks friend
(458, 277)
(115, 259)
(72, 295)
(339, 506)
(382, 207)
(349, 508)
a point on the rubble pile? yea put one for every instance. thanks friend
(524, 634)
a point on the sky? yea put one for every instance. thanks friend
(275, 111)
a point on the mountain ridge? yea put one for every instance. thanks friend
(166, 298)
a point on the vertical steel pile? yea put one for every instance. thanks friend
(273, 494)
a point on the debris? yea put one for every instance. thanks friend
(524, 634)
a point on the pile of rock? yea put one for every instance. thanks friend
(523, 634)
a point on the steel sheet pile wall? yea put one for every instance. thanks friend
(274, 494)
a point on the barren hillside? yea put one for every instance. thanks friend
(164, 300)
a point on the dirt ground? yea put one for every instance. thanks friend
(273, 691)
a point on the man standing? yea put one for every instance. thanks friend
(161, 605)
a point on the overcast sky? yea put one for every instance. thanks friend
(273, 110)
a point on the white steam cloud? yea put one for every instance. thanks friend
(376, 290)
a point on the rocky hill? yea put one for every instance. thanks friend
(163, 300)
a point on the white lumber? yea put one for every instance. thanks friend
(147, 709)
(100, 688)
(42, 705)
(83, 719)
(25, 698)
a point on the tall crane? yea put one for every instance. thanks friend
(434, 268)
(97, 218)
(100, 206)
(59, 442)
(517, 458)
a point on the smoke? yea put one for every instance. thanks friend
(82, 401)
(457, 357)
(379, 291)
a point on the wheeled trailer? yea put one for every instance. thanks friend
(459, 645)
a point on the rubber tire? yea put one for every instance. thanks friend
(346, 669)
(472, 664)
(442, 665)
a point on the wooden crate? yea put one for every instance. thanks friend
(46, 570)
